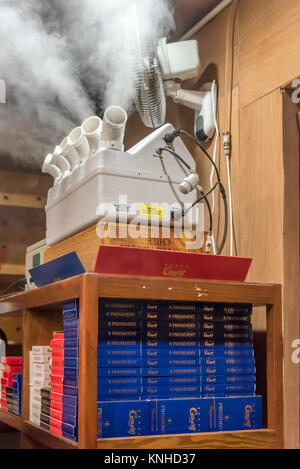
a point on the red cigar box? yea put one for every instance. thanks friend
(163, 263)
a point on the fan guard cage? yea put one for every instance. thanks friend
(146, 78)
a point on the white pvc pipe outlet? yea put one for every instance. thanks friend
(92, 127)
(59, 160)
(70, 153)
(113, 128)
(50, 168)
(78, 141)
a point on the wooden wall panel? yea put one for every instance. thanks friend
(291, 281)
(269, 46)
(261, 182)
(12, 328)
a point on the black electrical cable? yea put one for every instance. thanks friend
(225, 211)
(204, 196)
(169, 139)
(209, 212)
(176, 156)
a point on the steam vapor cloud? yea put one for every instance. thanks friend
(62, 61)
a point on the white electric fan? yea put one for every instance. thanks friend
(157, 71)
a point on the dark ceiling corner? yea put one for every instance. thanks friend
(189, 12)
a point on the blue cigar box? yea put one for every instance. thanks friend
(71, 363)
(110, 372)
(70, 419)
(228, 362)
(17, 378)
(168, 371)
(106, 353)
(162, 352)
(70, 315)
(71, 305)
(224, 370)
(226, 352)
(119, 362)
(119, 391)
(71, 390)
(221, 344)
(228, 388)
(71, 343)
(70, 353)
(170, 325)
(112, 323)
(220, 337)
(69, 430)
(221, 309)
(71, 381)
(71, 324)
(71, 333)
(170, 335)
(69, 400)
(123, 419)
(130, 381)
(173, 416)
(70, 410)
(174, 362)
(172, 381)
(238, 413)
(118, 344)
(171, 391)
(228, 379)
(164, 316)
(71, 373)
(170, 344)
(107, 304)
(234, 309)
(119, 334)
(170, 306)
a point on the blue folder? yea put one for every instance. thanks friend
(61, 268)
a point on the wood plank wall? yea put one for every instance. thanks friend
(265, 167)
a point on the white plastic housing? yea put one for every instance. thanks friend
(179, 59)
(205, 117)
(73, 204)
(34, 257)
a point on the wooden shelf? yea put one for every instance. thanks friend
(46, 438)
(12, 420)
(41, 309)
(42, 436)
(258, 439)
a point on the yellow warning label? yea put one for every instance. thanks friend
(156, 211)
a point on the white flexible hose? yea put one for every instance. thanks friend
(214, 157)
